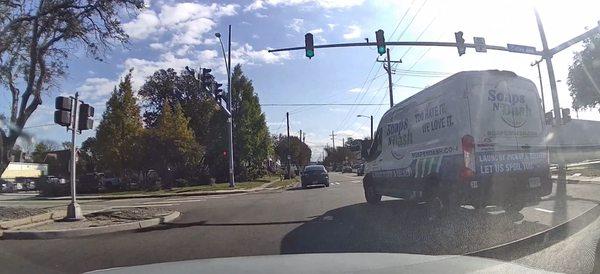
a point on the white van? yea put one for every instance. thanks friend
(476, 138)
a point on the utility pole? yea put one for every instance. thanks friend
(388, 69)
(333, 139)
(230, 120)
(343, 142)
(289, 157)
(561, 187)
(300, 137)
(74, 212)
(537, 63)
(371, 127)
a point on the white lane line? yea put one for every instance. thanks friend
(215, 196)
(156, 203)
(151, 205)
(186, 200)
(544, 210)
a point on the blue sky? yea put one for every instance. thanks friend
(181, 33)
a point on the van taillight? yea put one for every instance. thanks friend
(468, 147)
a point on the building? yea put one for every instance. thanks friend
(24, 170)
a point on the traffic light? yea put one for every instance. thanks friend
(218, 92)
(380, 42)
(566, 115)
(62, 115)
(86, 112)
(309, 45)
(460, 43)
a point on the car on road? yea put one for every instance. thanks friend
(347, 169)
(475, 138)
(314, 175)
(360, 170)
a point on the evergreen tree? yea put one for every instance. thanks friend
(252, 143)
(118, 134)
(172, 147)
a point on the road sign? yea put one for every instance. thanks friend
(479, 44)
(520, 48)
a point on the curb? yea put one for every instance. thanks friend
(31, 219)
(521, 247)
(121, 197)
(71, 233)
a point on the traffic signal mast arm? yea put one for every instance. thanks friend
(404, 43)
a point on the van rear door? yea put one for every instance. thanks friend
(506, 123)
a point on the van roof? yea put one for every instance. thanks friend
(453, 77)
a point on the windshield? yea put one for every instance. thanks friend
(314, 168)
(157, 131)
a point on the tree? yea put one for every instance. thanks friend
(299, 151)
(37, 37)
(40, 151)
(252, 144)
(340, 155)
(172, 147)
(584, 76)
(88, 156)
(119, 133)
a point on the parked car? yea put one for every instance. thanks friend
(90, 183)
(6, 186)
(314, 175)
(338, 169)
(360, 171)
(468, 152)
(347, 169)
(53, 186)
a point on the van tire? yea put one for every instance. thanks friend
(370, 194)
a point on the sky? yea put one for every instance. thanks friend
(175, 34)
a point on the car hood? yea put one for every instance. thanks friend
(332, 263)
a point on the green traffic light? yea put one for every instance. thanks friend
(310, 53)
(381, 50)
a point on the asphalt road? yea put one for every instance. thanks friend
(334, 219)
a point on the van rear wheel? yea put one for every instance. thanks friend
(370, 194)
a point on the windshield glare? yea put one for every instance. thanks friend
(304, 136)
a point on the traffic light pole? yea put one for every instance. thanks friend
(561, 187)
(230, 119)
(289, 148)
(74, 212)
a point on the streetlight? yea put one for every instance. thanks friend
(230, 119)
(365, 116)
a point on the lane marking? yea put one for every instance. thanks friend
(544, 210)
(155, 203)
(186, 200)
(151, 205)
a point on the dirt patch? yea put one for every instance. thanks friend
(109, 217)
(13, 213)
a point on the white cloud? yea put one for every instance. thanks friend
(96, 88)
(255, 36)
(258, 4)
(247, 55)
(354, 32)
(296, 24)
(326, 4)
(316, 31)
(354, 90)
(260, 15)
(141, 27)
(157, 46)
(331, 26)
(183, 23)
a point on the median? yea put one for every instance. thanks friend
(265, 183)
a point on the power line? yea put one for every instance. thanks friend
(315, 104)
(402, 19)
(412, 20)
